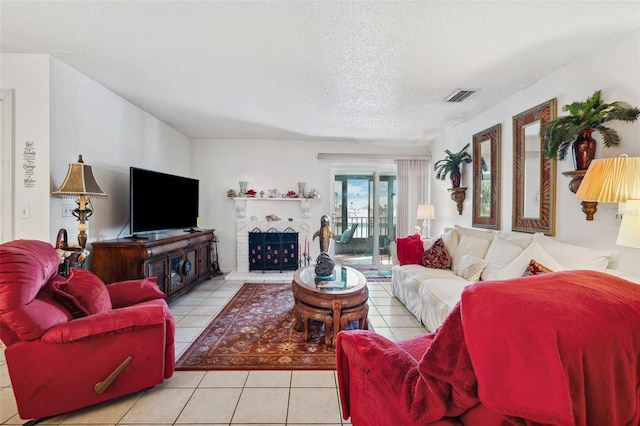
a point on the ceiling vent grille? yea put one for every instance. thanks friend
(459, 95)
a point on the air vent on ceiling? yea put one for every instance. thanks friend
(459, 95)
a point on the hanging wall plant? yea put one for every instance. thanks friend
(451, 165)
(574, 130)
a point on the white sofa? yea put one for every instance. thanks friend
(430, 294)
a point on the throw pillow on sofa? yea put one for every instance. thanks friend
(82, 293)
(410, 249)
(436, 256)
(534, 251)
(450, 240)
(471, 242)
(575, 257)
(470, 267)
(504, 247)
(535, 268)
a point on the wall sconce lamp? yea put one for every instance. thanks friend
(629, 234)
(80, 183)
(426, 212)
(609, 180)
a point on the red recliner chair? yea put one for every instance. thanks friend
(74, 341)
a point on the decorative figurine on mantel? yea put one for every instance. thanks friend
(325, 265)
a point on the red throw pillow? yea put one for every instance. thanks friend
(436, 256)
(126, 293)
(535, 268)
(410, 249)
(82, 293)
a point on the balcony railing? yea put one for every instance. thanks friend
(365, 228)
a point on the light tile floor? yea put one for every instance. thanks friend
(236, 398)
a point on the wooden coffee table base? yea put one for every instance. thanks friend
(310, 313)
(333, 308)
(358, 313)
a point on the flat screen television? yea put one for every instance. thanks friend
(160, 201)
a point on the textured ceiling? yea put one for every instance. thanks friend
(372, 71)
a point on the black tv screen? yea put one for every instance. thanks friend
(160, 201)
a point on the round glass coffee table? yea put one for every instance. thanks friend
(334, 301)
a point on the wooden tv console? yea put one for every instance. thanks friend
(179, 259)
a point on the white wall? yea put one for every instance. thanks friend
(112, 134)
(268, 164)
(65, 114)
(29, 76)
(614, 69)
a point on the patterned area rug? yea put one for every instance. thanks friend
(254, 331)
(377, 275)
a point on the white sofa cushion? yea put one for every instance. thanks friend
(439, 296)
(406, 281)
(518, 265)
(575, 257)
(472, 242)
(450, 240)
(504, 247)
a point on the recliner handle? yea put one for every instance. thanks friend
(102, 386)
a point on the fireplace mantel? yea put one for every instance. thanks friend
(241, 204)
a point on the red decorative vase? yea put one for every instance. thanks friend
(584, 150)
(455, 179)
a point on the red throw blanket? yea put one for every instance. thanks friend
(560, 348)
(410, 249)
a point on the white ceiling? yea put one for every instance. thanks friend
(371, 71)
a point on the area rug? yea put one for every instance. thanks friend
(254, 331)
(376, 275)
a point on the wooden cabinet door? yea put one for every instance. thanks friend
(190, 268)
(176, 276)
(157, 268)
(204, 260)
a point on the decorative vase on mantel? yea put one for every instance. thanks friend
(584, 150)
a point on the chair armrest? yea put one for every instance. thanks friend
(379, 379)
(126, 293)
(375, 372)
(105, 323)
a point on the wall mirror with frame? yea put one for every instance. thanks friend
(534, 175)
(486, 178)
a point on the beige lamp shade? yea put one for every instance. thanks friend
(611, 180)
(79, 181)
(426, 212)
(629, 234)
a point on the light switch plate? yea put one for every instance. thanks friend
(67, 209)
(25, 211)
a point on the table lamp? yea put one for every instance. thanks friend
(426, 212)
(80, 183)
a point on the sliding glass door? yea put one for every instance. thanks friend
(364, 216)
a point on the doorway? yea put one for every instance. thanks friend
(364, 215)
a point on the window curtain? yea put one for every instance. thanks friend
(413, 185)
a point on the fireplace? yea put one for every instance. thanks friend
(245, 228)
(249, 210)
(273, 250)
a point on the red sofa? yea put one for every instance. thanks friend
(72, 341)
(560, 348)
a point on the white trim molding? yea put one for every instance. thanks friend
(7, 189)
